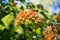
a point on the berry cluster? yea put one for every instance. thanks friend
(48, 33)
(26, 16)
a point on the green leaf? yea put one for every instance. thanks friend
(1, 27)
(18, 29)
(38, 31)
(7, 19)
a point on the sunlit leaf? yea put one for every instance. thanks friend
(1, 27)
(7, 19)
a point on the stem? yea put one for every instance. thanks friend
(24, 34)
(24, 29)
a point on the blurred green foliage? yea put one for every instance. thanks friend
(8, 30)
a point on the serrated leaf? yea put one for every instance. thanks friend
(7, 19)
